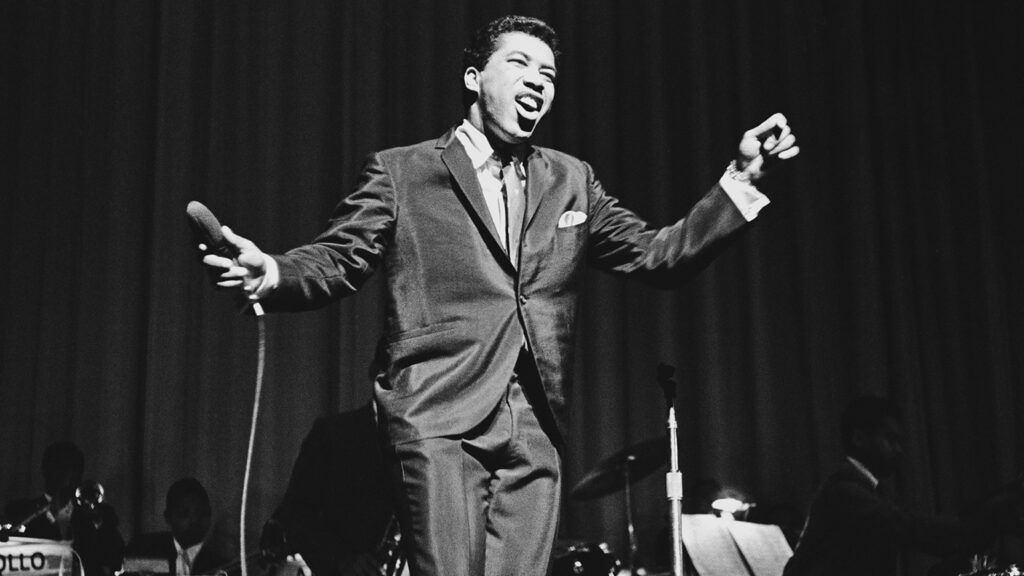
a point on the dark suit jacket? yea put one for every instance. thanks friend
(214, 555)
(457, 309)
(852, 531)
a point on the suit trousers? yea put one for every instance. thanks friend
(485, 502)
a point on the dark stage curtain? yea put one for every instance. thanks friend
(888, 262)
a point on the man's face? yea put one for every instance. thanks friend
(882, 449)
(515, 88)
(189, 521)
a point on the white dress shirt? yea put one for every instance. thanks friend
(186, 557)
(745, 196)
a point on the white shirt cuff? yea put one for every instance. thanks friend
(748, 199)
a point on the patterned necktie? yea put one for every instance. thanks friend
(184, 567)
(515, 208)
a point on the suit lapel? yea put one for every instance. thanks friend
(467, 186)
(537, 176)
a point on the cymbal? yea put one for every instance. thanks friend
(609, 476)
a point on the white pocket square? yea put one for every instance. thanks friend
(571, 218)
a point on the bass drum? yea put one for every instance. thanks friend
(586, 560)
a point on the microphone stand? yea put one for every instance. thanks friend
(673, 478)
(8, 530)
(630, 531)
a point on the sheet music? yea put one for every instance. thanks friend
(763, 546)
(711, 546)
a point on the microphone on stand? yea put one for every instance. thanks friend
(673, 478)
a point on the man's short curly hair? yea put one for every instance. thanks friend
(188, 488)
(485, 41)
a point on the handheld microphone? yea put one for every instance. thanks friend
(206, 230)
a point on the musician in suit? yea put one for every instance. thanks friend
(853, 529)
(190, 547)
(90, 524)
(484, 239)
(338, 508)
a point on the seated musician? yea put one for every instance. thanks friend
(88, 522)
(337, 511)
(853, 530)
(191, 547)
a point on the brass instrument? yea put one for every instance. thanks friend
(87, 496)
(985, 565)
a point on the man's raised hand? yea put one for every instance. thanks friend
(764, 144)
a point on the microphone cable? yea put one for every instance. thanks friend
(208, 234)
(261, 357)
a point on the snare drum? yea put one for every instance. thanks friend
(586, 560)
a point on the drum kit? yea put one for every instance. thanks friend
(614, 473)
(618, 472)
(985, 565)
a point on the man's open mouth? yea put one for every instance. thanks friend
(529, 106)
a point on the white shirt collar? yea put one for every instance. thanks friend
(192, 551)
(863, 470)
(475, 142)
